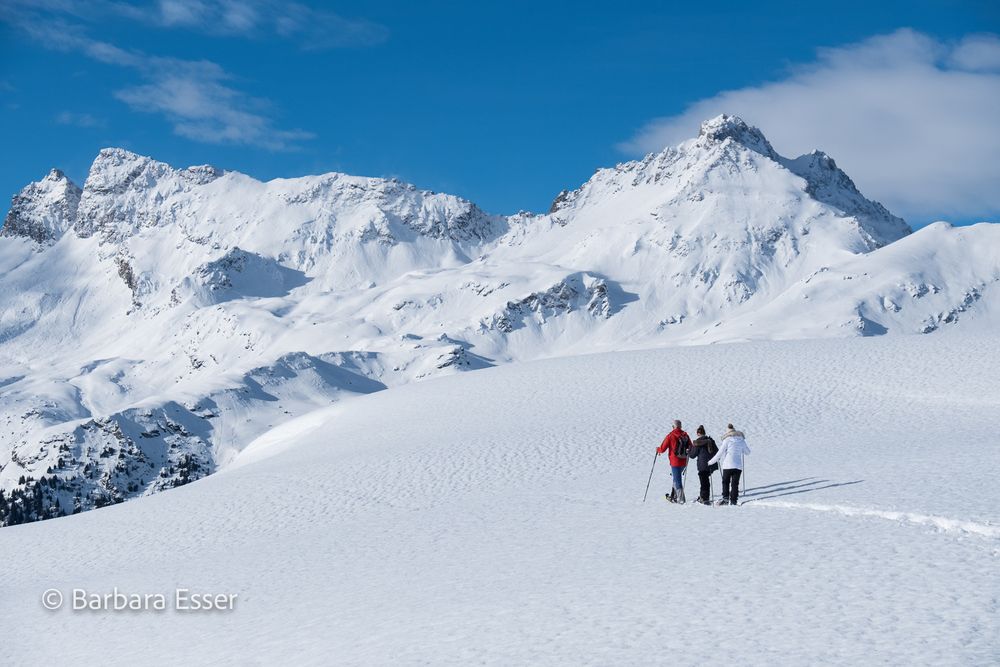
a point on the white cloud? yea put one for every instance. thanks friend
(200, 106)
(182, 12)
(316, 29)
(978, 53)
(58, 34)
(912, 119)
(78, 119)
(310, 27)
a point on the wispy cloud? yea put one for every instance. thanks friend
(79, 119)
(911, 118)
(197, 97)
(977, 53)
(58, 34)
(310, 27)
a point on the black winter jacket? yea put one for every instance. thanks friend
(703, 449)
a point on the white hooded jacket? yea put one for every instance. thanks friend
(732, 450)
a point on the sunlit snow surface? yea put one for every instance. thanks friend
(496, 517)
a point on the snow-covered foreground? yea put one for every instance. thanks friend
(496, 517)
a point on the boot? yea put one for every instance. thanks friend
(680, 496)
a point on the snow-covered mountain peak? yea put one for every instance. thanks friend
(112, 157)
(55, 176)
(728, 187)
(722, 127)
(125, 193)
(118, 167)
(43, 210)
(121, 184)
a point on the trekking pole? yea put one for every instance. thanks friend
(655, 456)
(722, 487)
(744, 478)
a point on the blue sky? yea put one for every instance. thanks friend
(506, 103)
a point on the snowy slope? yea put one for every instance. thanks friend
(496, 517)
(935, 278)
(156, 321)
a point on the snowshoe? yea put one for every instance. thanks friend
(720, 503)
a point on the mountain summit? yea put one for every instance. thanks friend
(155, 322)
(43, 211)
(717, 130)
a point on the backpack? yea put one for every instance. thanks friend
(683, 446)
(713, 449)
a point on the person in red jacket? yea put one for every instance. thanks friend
(677, 443)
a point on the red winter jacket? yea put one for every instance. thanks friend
(670, 444)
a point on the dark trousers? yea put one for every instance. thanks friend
(703, 477)
(731, 484)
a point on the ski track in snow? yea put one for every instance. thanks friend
(942, 523)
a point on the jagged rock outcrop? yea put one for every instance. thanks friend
(580, 292)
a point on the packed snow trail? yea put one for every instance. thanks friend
(497, 517)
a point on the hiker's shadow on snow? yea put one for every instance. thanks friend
(792, 487)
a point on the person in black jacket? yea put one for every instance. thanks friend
(702, 449)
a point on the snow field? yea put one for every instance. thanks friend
(496, 517)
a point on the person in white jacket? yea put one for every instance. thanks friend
(731, 452)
